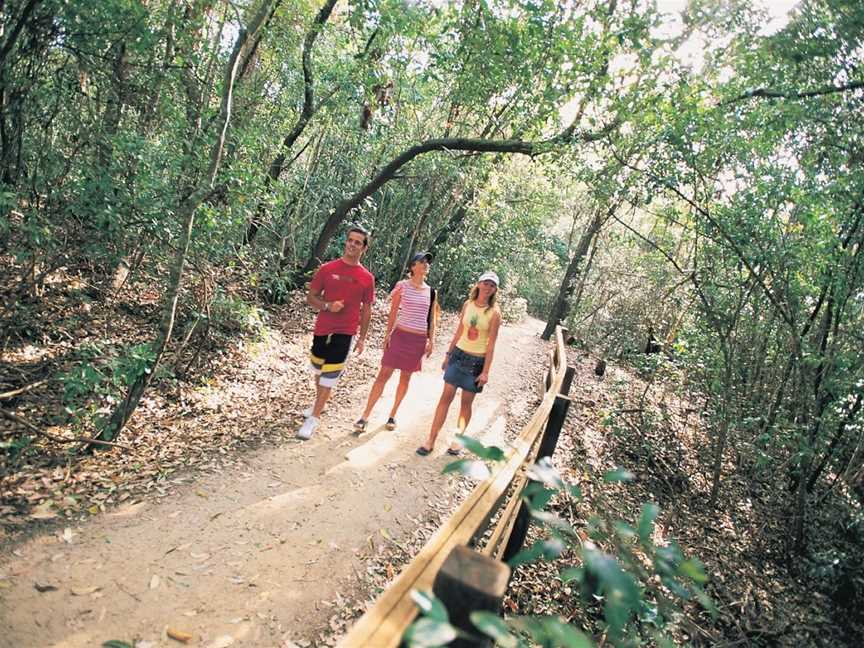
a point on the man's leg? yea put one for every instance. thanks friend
(328, 359)
(322, 395)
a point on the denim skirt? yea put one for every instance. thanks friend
(463, 369)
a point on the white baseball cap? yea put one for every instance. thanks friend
(489, 276)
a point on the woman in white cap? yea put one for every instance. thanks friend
(409, 336)
(469, 357)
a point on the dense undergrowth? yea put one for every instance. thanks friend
(765, 593)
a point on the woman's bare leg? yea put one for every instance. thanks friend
(401, 390)
(377, 389)
(465, 406)
(440, 414)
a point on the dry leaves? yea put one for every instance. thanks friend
(179, 635)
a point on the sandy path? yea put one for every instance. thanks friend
(250, 556)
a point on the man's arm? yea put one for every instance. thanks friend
(315, 298)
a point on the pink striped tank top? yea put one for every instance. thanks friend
(413, 307)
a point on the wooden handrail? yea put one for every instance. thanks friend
(383, 625)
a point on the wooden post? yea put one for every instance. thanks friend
(469, 582)
(547, 447)
(568, 380)
(549, 440)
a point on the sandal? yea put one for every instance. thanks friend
(390, 424)
(360, 425)
(423, 451)
(454, 452)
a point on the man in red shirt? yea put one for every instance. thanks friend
(343, 292)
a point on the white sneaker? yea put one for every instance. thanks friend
(308, 427)
(307, 412)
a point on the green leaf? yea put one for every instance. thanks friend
(543, 471)
(524, 556)
(430, 605)
(676, 588)
(619, 475)
(624, 530)
(115, 643)
(563, 634)
(646, 521)
(551, 631)
(694, 570)
(468, 467)
(571, 574)
(706, 602)
(537, 496)
(551, 520)
(667, 559)
(492, 626)
(618, 587)
(533, 626)
(427, 632)
(549, 549)
(490, 453)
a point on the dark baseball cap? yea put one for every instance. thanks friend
(420, 256)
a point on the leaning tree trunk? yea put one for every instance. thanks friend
(277, 165)
(561, 306)
(334, 221)
(722, 438)
(244, 46)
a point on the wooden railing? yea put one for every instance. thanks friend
(386, 621)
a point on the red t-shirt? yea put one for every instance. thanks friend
(353, 284)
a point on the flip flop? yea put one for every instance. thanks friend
(453, 452)
(423, 451)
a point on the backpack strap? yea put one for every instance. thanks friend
(432, 297)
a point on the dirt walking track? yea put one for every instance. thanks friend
(248, 557)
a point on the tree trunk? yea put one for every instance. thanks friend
(835, 441)
(245, 44)
(723, 435)
(400, 271)
(277, 165)
(561, 306)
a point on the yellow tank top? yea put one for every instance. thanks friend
(475, 329)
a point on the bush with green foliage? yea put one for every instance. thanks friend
(98, 379)
(641, 584)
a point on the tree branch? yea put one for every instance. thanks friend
(765, 93)
(16, 31)
(530, 148)
(27, 424)
(308, 110)
(11, 394)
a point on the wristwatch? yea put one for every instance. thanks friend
(326, 306)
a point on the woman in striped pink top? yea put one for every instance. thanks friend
(410, 331)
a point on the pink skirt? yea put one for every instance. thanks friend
(405, 351)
